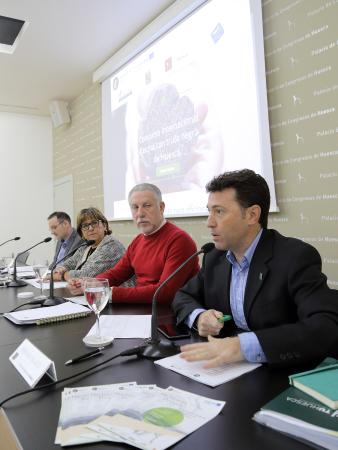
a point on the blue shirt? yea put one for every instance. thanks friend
(250, 346)
(63, 250)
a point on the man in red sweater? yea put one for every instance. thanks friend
(154, 254)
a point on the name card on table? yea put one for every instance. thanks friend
(32, 364)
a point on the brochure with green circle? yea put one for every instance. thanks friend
(163, 417)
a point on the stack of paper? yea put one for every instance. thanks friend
(124, 326)
(57, 284)
(144, 416)
(22, 271)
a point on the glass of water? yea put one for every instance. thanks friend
(8, 263)
(40, 272)
(96, 294)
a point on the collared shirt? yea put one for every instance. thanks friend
(250, 346)
(63, 249)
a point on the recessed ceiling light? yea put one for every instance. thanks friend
(11, 31)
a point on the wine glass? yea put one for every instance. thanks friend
(7, 262)
(97, 294)
(4, 270)
(40, 272)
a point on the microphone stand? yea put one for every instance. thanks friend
(52, 300)
(15, 282)
(157, 348)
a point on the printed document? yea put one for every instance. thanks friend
(211, 377)
(144, 416)
(124, 326)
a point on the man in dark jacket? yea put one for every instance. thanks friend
(282, 311)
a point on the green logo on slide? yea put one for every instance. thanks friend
(163, 417)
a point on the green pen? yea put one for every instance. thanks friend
(224, 318)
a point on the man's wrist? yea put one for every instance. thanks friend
(195, 323)
(193, 317)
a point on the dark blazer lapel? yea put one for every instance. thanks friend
(58, 245)
(258, 270)
(218, 274)
(71, 240)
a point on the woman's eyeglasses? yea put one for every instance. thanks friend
(93, 224)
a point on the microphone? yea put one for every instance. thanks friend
(52, 300)
(9, 240)
(156, 348)
(15, 282)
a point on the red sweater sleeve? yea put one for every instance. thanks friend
(180, 247)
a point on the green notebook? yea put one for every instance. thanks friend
(299, 415)
(321, 383)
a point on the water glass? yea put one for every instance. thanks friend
(96, 294)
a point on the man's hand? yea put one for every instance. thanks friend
(216, 351)
(208, 324)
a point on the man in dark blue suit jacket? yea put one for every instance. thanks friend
(282, 310)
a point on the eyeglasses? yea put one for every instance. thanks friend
(93, 224)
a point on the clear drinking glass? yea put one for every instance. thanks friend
(40, 272)
(8, 263)
(5, 264)
(96, 294)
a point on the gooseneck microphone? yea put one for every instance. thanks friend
(156, 348)
(9, 240)
(15, 282)
(52, 300)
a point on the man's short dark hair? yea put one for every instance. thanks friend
(250, 187)
(60, 215)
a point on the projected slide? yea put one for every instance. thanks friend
(185, 110)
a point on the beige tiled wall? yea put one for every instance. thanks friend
(77, 149)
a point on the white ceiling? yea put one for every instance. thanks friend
(65, 42)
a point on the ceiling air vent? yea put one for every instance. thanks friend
(11, 31)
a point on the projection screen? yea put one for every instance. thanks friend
(190, 106)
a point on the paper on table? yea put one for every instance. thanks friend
(124, 326)
(79, 300)
(57, 284)
(23, 271)
(159, 420)
(84, 404)
(144, 416)
(211, 377)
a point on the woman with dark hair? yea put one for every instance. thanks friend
(103, 254)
